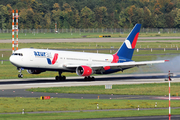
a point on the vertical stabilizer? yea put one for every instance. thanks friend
(127, 48)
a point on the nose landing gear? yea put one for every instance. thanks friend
(20, 75)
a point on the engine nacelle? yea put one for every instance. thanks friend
(83, 70)
(35, 71)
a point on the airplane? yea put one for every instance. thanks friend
(83, 64)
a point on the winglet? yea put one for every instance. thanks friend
(166, 60)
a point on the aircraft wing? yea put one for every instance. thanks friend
(123, 65)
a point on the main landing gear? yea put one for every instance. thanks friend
(89, 78)
(58, 78)
(20, 75)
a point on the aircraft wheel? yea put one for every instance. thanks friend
(57, 78)
(63, 77)
(89, 78)
(20, 75)
(85, 78)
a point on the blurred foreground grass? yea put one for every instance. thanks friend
(16, 104)
(156, 89)
(86, 115)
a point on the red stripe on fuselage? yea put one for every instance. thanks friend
(107, 67)
(115, 58)
(55, 58)
(134, 41)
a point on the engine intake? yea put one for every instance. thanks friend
(83, 71)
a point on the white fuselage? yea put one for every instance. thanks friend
(30, 58)
(84, 64)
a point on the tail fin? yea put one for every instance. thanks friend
(127, 48)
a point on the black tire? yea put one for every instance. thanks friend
(20, 75)
(63, 77)
(57, 78)
(85, 78)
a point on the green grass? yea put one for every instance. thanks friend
(159, 89)
(86, 115)
(79, 35)
(94, 45)
(47, 35)
(34, 104)
(8, 71)
(148, 52)
(90, 45)
(58, 35)
(7, 67)
(16, 104)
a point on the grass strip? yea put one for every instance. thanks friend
(17, 104)
(90, 45)
(86, 115)
(79, 35)
(159, 89)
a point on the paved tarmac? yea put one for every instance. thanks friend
(16, 88)
(79, 81)
(165, 117)
(24, 93)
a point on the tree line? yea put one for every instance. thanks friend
(43, 14)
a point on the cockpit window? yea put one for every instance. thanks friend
(19, 54)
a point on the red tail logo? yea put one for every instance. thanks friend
(54, 59)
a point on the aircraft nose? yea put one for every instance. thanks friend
(14, 60)
(11, 59)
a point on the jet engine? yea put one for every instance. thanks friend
(35, 71)
(83, 71)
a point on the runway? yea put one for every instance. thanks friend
(79, 81)
(24, 93)
(165, 117)
(16, 88)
